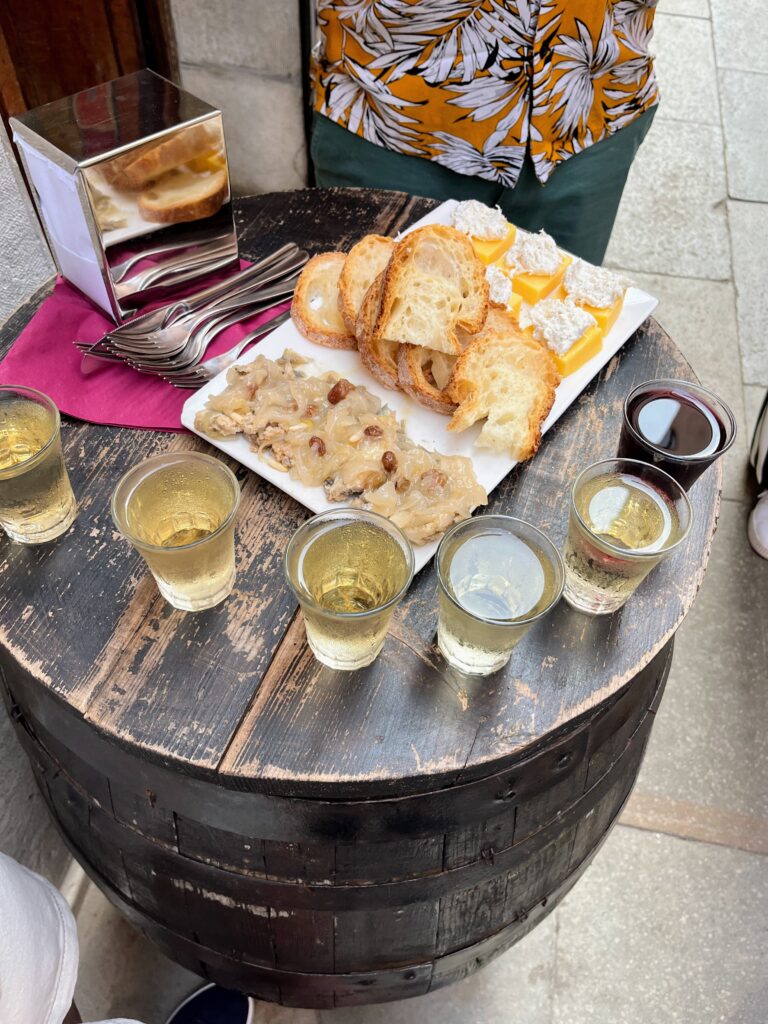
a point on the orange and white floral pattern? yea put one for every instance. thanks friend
(473, 85)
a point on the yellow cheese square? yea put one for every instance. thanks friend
(606, 316)
(588, 345)
(535, 287)
(489, 249)
(514, 305)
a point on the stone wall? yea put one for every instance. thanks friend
(24, 258)
(26, 831)
(244, 56)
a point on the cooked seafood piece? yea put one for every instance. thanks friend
(326, 431)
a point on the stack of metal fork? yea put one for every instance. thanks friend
(170, 342)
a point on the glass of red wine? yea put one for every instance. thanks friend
(680, 427)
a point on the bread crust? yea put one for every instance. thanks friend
(411, 375)
(365, 261)
(196, 207)
(376, 353)
(302, 313)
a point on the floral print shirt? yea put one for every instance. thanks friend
(475, 85)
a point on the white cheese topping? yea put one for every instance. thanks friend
(594, 286)
(560, 323)
(534, 253)
(500, 286)
(480, 221)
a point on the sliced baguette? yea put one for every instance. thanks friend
(183, 196)
(509, 377)
(379, 355)
(364, 262)
(154, 160)
(416, 376)
(434, 283)
(315, 305)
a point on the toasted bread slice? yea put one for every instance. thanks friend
(418, 373)
(379, 355)
(315, 306)
(156, 159)
(433, 284)
(509, 377)
(364, 262)
(182, 196)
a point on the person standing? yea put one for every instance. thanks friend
(537, 106)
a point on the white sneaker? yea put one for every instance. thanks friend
(757, 528)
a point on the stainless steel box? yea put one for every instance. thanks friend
(131, 181)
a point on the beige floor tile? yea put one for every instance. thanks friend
(690, 8)
(663, 931)
(672, 216)
(685, 66)
(709, 745)
(121, 972)
(514, 989)
(749, 240)
(746, 136)
(700, 316)
(741, 35)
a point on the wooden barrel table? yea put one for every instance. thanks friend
(310, 837)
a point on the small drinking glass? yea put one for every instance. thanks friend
(498, 576)
(678, 426)
(178, 510)
(626, 516)
(36, 499)
(349, 569)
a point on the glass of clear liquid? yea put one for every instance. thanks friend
(36, 499)
(626, 516)
(498, 575)
(348, 569)
(178, 510)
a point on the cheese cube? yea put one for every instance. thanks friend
(514, 305)
(532, 288)
(606, 316)
(588, 345)
(489, 249)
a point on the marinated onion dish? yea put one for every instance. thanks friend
(325, 431)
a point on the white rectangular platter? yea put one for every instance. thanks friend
(422, 425)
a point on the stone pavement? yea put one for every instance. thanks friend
(670, 924)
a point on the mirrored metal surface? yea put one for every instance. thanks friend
(132, 183)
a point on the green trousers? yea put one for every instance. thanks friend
(577, 206)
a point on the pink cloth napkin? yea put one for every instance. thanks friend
(44, 357)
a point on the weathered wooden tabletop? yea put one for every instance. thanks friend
(233, 693)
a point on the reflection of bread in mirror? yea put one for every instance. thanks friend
(315, 306)
(157, 158)
(182, 196)
(114, 170)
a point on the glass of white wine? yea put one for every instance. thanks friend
(626, 516)
(498, 575)
(178, 510)
(36, 500)
(349, 569)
